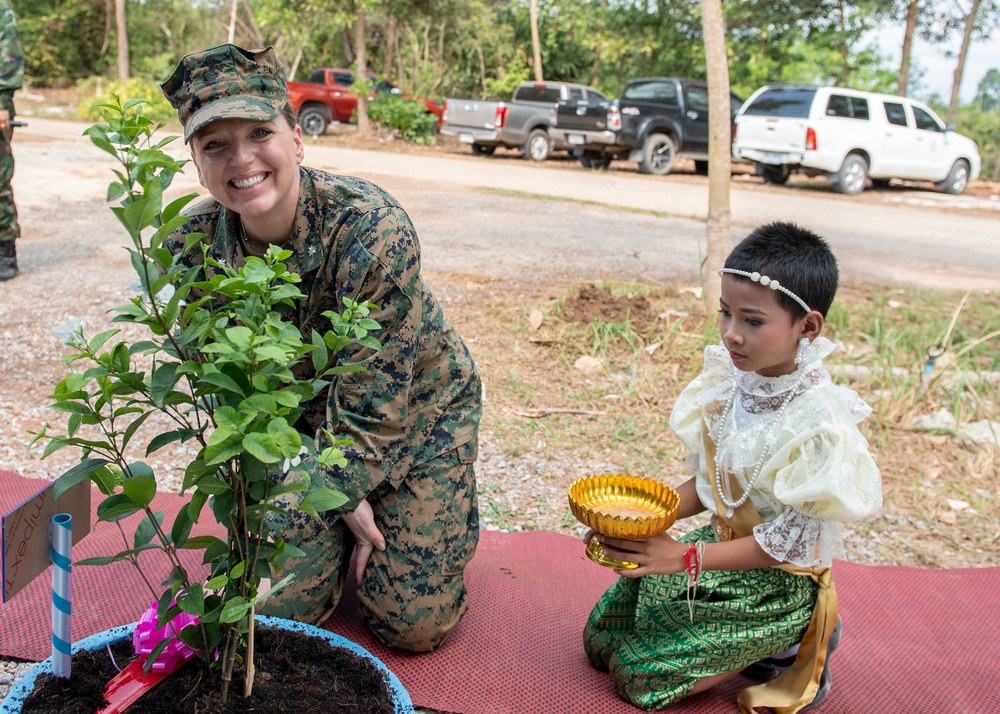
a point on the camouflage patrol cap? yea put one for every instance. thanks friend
(226, 82)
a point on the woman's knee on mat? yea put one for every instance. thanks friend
(420, 624)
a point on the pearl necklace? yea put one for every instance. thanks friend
(731, 506)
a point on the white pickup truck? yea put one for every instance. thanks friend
(850, 136)
(526, 122)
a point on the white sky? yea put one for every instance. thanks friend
(939, 69)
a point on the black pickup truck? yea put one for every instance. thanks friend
(656, 120)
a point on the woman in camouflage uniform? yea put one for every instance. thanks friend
(412, 414)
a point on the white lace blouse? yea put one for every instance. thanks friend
(816, 471)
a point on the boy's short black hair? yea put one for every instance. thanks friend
(794, 256)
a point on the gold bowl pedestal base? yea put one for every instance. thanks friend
(595, 551)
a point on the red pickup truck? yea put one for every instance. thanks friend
(327, 98)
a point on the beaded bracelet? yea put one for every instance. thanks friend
(693, 558)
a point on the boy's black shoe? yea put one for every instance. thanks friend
(8, 260)
(767, 669)
(824, 680)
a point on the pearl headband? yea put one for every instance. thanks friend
(767, 283)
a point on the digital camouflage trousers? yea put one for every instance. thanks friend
(412, 595)
(9, 229)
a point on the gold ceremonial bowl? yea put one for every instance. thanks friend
(622, 506)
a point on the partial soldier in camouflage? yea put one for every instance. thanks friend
(11, 74)
(412, 414)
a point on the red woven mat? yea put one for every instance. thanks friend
(915, 641)
(103, 596)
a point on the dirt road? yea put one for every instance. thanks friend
(512, 220)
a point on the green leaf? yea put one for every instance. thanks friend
(140, 489)
(192, 600)
(115, 508)
(325, 499)
(181, 529)
(97, 560)
(217, 583)
(198, 542)
(107, 480)
(146, 531)
(238, 570)
(218, 379)
(161, 440)
(271, 352)
(212, 485)
(80, 472)
(72, 407)
(154, 655)
(163, 380)
(263, 447)
(133, 427)
(214, 551)
(235, 610)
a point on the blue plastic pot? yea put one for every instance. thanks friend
(14, 700)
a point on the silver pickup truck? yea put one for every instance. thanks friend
(526, 122)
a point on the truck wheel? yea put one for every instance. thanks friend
(483, 150)
(537, 147)
(852, 175)
(775, 174)
(957, 179)
(657, 155)
(594, 160)
(314, 120)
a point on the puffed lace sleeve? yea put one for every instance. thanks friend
(686, 420)
(829, 473)
(823, 477)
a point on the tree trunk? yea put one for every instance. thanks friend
(904, 62)
(595, 75)
(719, 149)
(361, 46)
(345, 40)
(122, 31)
(295, 65)
(970, 23)
(390, 48)
(482, 68)
(844, 54)
(232, 22)
(536, 47)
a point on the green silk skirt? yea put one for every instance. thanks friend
(641, 629)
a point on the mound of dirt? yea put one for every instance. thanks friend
(594, 303)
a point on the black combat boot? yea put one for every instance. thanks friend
(8, 260)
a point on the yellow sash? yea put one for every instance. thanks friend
(797, 686)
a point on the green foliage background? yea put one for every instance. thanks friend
(482, 48)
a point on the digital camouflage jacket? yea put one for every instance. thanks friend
(11, 57)
(417, 398)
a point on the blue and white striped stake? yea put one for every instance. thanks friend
(61, 552)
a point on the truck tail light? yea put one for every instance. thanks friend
(614, 118)
(444, 114)
(501, 118)
(810, 139)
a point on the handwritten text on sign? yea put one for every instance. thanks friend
(26, 533)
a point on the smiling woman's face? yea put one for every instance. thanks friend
(251, 168)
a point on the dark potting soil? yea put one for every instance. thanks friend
(296, 674)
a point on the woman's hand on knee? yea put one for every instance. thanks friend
(366, 533)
